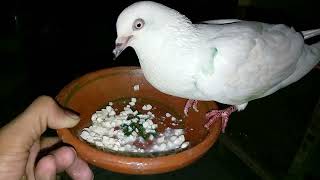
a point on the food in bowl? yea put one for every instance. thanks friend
(129, 126)
(93, 92)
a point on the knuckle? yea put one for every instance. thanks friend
(45, 101)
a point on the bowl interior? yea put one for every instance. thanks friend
(93, 91)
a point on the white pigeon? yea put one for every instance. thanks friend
(227, 61)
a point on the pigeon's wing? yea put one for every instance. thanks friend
(248, 59)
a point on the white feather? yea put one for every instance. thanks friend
(228, 61)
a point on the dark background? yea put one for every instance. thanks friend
(46, 44)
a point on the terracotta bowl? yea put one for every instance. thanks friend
(92, 91)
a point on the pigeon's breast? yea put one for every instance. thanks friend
(169, 78)
(169, 62)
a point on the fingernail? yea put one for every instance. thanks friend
(72, 114)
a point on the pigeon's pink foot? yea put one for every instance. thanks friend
(317, 67)
(188, 105)
(213, 115)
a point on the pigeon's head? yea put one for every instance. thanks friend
(141, 18)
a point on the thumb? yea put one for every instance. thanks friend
(43, 113)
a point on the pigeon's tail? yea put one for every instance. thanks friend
(316, 46)
(312, 55)
(309, 58)
(312, 51)
(310, 33)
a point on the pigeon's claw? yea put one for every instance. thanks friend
(188, 105)
(214, 115)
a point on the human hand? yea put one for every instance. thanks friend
(20, 142)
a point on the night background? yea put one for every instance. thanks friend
(46, 44)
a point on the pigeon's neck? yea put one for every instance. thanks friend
(174, 40)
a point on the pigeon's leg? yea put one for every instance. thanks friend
(190, 103)
(317, 67)
(213, 115)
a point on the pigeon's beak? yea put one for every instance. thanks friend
(121, 44)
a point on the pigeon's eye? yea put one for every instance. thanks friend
(138, 24)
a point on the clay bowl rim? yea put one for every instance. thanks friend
(126, 164)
